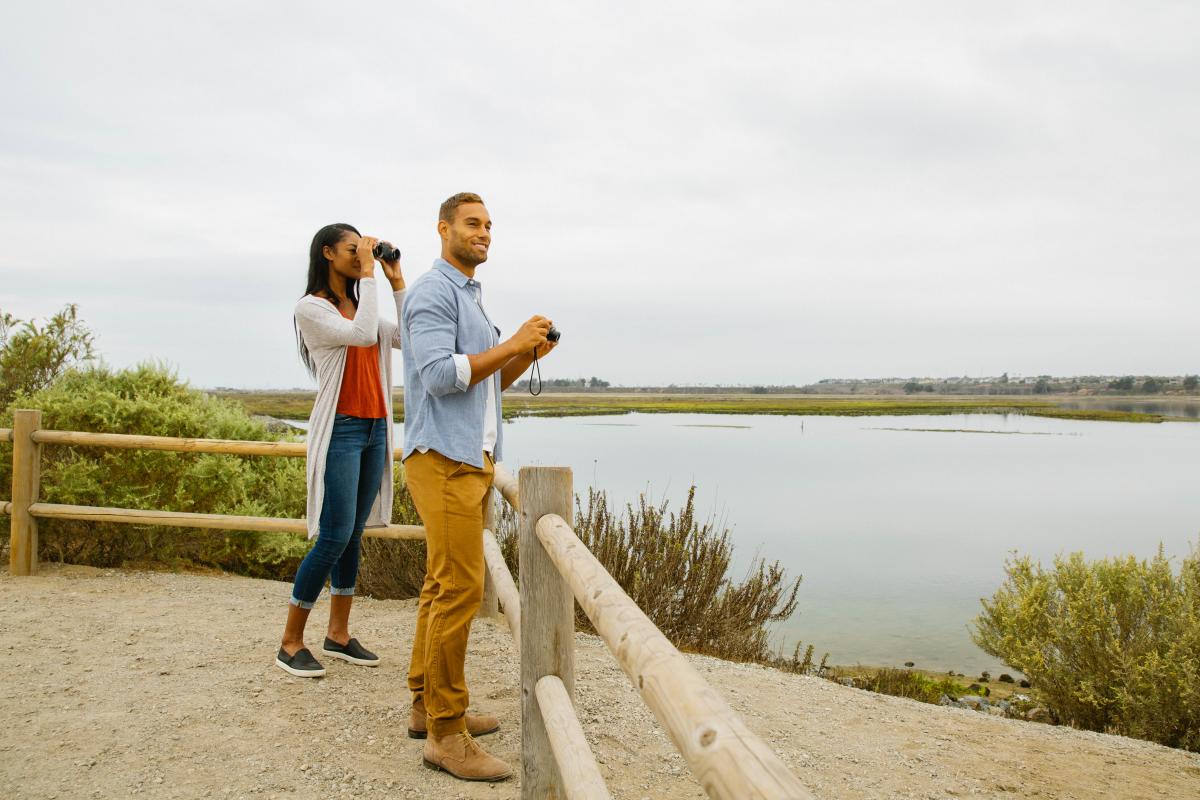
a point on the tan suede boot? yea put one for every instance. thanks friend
(477, 724)
(462, 757)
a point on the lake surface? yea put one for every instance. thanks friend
(898, 532)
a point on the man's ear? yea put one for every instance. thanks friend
(443, 229)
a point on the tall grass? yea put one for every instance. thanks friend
(676, 568)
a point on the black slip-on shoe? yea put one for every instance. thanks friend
(302, 664)
(351, 651)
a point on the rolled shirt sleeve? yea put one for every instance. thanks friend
(431, 315)
(462, 371)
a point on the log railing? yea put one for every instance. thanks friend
(556, 570)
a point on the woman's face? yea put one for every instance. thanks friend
(343, 258)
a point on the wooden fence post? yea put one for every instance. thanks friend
(547, 624)
(27, 470)
(490, 607)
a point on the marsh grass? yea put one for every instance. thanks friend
(914, 685)
(297, 405)
(911, 683)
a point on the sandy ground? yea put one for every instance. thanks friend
(120, 684)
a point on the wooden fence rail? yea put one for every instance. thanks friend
(727, 758)
(28, 438)
(188, 519)
(556, 570)
(581, 778)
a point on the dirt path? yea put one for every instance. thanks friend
(162, 685)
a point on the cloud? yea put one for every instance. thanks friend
(695, 192)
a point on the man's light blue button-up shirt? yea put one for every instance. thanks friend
(441, 412)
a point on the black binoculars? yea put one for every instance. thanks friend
(386, 251)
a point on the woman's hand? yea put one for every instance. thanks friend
(366, 258)
(392, 270)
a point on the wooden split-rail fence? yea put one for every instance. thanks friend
(556, 570)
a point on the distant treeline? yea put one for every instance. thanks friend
(1042, 384)
(1002, 385)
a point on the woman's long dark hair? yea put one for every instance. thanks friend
(318, 279)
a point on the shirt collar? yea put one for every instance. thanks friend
(453, 273)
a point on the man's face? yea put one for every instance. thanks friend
(469, 235)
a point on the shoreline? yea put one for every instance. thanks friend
(297, 405)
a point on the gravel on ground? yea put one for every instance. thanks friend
(163, 685)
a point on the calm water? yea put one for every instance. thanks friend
(898, 532)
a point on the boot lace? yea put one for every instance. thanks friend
(469, 742)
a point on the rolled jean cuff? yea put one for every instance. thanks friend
(296, 601)
(337, 591)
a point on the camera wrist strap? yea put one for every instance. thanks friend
(538, 369)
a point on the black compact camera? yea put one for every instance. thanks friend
(386, 251)
(553, 335)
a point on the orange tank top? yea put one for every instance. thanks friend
(362, 389)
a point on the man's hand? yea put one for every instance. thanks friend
(516, 366)
(531, 335)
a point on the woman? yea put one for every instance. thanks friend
(347, 347)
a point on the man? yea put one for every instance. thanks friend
(454, 370)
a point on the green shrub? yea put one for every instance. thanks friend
(676, 569)
(33, 356)
(149, 399)
(1111, 645)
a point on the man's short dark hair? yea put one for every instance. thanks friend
(446, 212)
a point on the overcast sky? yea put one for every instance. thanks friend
(694, 192)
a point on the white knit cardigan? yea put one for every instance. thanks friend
(326, 334)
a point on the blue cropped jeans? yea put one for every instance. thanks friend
(353, 469)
